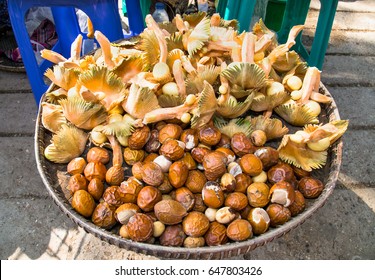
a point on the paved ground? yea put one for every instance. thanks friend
(32, 226)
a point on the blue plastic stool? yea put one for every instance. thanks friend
(295, 14)
(104, 15)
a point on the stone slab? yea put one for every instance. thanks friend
(18, 112)
(18, 170)
(358, 156)
(345, 21)
(354, 103)
(14, 82)
(349, 5)
(348, 70)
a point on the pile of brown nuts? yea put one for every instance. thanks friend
(191, 187)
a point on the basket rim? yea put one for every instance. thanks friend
(207, 252)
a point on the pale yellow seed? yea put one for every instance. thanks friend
(320, 145)
(223, 89)
(186, 117)
(314, 107)
(296, 95)
(159, 228)
(261, 178)
(294, 83)
(190, 99)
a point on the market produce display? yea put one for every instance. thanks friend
(189, 135)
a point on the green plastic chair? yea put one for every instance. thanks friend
(295, 13)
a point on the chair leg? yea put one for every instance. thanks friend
(323, 32)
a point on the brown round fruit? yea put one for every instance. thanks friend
(95, 170)
(216, 234)
(241, 144)
(153, 144)
(190, 138)
(96, 188)
(129, 190)
(224, 141)
(259, 220)
(268, 155)
(193, 242)
(172, 150)
(77, 182)
(198, 153)
(280, 172)
(195, 224)
(115, 175)
(76, 166)
(148, 197)
(169, 212)
(310, 187)
(125, 212)
(140, 227)
(243, 181)
(98, 154)
(282, 193)
(178, 174)
(214, 165)
(212, 195)
(195, 181)
(278, 214)
(172, 236)
(251, 164)
(298, 206)
(228, 182)
(236, 201)
(112, 196)
(104, 215)
(209, 135)
(138, 139)
(152, 174)
(185, 197)
(239, 230)
(169, 131)
(199, 204)
(258, 194)
(132, 156)
(83, 203)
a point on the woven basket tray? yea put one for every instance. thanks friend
(55, 179)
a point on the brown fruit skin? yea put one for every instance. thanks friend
(310, 187)
(258, 194)
(259, 223)
(112, 196)
(284, 186)
(178, 174)
(185, 197)
(172, 236)
(239, 230)
(98, 154)
(280, 172)
(251, 164)
(95, 170)
(148, 197)
(214, 165)
(104, 215)
(268, 155)
(209, 135)
(169, 212)
(195, 181)
(229, 154)
(172, 131)
(236, 201)
(150, 158)
(216, 234)
(189, 161)
(129, 190)
(139, 138)
(137, 170)
(195, 224)
(153, 144)
(152, 174)
(212, 195)
(190, 138)
(115, 175)
(171, 150)
(298, 206)
(166, 186)
(77, 182)
(199, 204)
(132, 156)
(278, 214)
(244, 213)
(198, 153)
(224, 141)
(228, 182)
(83, 203)
(76, 166)
(194, 242)
(241, 144)
(96, 188)
(243, 181)
(140, 227)
(300, 173)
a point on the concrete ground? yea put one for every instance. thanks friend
(33, 227)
